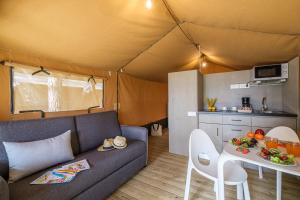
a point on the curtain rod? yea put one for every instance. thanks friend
(14, 64)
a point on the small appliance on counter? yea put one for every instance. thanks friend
(224, 108)
(234, 109)
(246, 106)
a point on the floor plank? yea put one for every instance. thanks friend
(164, 178)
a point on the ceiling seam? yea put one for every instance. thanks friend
(246, 30)
(178, 23)
(187, 35)
(148, 47)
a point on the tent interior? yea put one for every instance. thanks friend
(96, 37)
(124, 51)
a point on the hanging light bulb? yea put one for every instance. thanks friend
(148, 4)
(201, 59)
(204, 63)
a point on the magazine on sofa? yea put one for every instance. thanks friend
(63, 174)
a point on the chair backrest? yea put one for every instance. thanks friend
(283, 133)
(202, 147)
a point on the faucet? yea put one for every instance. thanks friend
(264, 104)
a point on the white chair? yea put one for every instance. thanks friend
(285, 134)
(203, 158)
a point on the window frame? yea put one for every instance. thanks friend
(12, 96)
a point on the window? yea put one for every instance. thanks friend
(58, 91)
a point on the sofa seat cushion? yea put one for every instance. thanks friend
(102, 165)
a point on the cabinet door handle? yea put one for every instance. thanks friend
(236, 120)
(217, 131)
(236, 130)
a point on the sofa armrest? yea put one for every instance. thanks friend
(136, 133)
(4, 191)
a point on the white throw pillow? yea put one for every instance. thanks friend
(26, 158)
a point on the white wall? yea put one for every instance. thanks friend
(291, 88)
(218, 86)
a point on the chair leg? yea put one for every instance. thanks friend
(188, 182)
(278, 184)
(239, 192)
(260, 172)
(246, 190)
(216, 190)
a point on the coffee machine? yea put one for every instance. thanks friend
(246, 102)
(246, 106)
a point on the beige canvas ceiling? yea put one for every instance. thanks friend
(115, 33)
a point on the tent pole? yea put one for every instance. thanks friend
(117, 109)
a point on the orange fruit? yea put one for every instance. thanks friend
(250, 134)
(259, 136)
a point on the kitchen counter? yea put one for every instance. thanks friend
(222, 126)
(254, 113)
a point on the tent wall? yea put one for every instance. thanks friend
(142, 101)
(5, 93)
(134, 107)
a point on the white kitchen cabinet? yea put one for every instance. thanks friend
(232, 131)
(223, 127)
(274, 121)
(215, 133)
(237, 120)
(210, 118)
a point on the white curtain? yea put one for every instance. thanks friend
(54, 91)
(58, 91)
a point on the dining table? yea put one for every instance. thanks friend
(230, 153)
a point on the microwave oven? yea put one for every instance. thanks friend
(271, 72)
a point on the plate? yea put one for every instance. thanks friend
(295, 162)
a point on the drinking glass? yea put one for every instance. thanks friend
(289, 148)
(271, 142)
(267, 142)
(296, 149)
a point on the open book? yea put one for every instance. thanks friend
(63, 174)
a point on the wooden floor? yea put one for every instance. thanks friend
(164, 178)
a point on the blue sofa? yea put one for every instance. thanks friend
(108, 170)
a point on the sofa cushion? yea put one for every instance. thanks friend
(26, 158)
(31, 130)
(102, 165)
(107, 186)
(94, 128)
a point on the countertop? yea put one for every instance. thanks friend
(254, 113)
